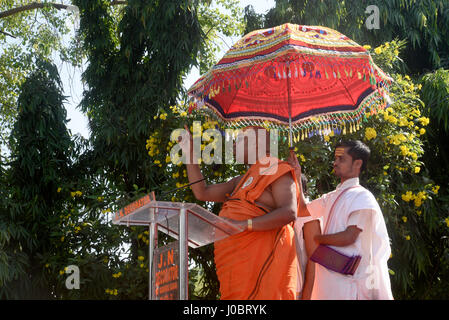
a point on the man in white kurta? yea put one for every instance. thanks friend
(351, 223)
(357, 206)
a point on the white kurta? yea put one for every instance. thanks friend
(356, 206)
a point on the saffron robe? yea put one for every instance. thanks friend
(258, 265)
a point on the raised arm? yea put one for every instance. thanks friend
(302, 206)
(212, 192)
(201, 190)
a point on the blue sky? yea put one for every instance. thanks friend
(73, 89)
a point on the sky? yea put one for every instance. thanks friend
(73, 87)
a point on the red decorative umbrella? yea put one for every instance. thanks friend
(307, 79)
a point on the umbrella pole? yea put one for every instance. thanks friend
(290, 133)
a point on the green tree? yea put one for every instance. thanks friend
(435, 94)
(34, 32)
(137, 57)
(40, 160)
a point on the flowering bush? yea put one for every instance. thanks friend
(396, 174)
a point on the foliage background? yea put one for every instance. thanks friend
(58, 191)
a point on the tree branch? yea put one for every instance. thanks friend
(36, 5)
(7, 34)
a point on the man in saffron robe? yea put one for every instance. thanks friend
(260, 262)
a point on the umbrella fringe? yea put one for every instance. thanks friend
(343, 122)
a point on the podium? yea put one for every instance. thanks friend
(190, 224)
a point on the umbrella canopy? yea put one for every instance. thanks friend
(306, 78)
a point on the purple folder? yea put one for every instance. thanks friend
(335, 261)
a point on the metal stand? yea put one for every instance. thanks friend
(189, 223)
(183, 255)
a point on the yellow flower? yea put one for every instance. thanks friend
(303, 159)
(419, 198)
(447, 222)
(417, 169)
(326, 138)
(378, 50)
(422, 131)
(419, 212)
(370, 133)
(167, 159)
(157, 161)
(163, 116)
(407, 238)
(435, 189)
(117, 275)
(62, 239)
(59, 190)
(140, 258)
(47, 265)
(407, 196)
(367, 46)
(61, 272)
(404, 150)
(142, 265)
(404, 218)
(424, 121)
(391, 119)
